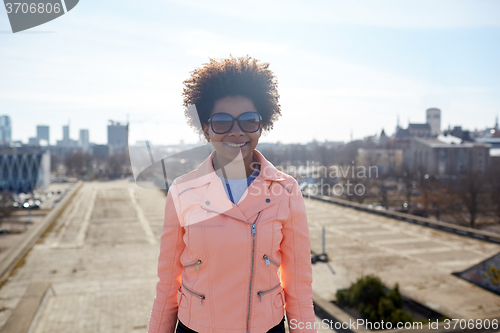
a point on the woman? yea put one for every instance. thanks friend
(235, 251)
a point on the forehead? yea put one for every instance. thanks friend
(234, 105)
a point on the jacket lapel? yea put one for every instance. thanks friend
(253, 200)
(215, 200)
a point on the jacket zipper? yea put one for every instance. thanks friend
(268, 260)
(254, 232)
(197, 263)
(260, 293)
(201, 296)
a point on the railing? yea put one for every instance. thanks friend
(452, 228)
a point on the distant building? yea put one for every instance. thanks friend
(24, 169)
(419, 130)
(383, 139)
(42, 133)
(387, 161)
(83, 141)
(5, 129)
(431, 128)
(66, 133)
(434, 120)
(458, 132)
(414, 130)
(495, 132)
(447, 155)
(495, 147)
(117, 138)
(66, 142)
(100, 152)
(488, 132)
(33, 142)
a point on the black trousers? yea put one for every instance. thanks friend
(280, 328)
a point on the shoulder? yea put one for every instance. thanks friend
(288, 180)
(272, 173)
(184, 182)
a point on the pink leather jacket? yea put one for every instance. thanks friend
(233, 268)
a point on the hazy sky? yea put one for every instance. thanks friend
(341, 65)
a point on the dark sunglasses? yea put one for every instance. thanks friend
(222, 123)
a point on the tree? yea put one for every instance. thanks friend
(383, 194)
(469, 190)
(77, 162)
(54, 162)
(408, 178)
(6, 200)
(368, 296)
(423, 186)
(117, 164)
(494, 189)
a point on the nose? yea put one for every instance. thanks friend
(236, 130)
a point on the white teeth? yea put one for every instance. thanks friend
(235, 144)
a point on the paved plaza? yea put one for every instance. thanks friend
(101, 258)
(419, 258)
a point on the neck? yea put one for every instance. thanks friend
(234, 169)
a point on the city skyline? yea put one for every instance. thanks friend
(341, 67)
(86, 133)
(44, 130)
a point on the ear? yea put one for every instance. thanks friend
(205, 132)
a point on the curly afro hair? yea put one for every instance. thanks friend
(219, 78)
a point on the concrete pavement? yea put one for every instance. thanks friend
(100, 258)
(420, 259)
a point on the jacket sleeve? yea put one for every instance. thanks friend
(296, 271)
(164, 313)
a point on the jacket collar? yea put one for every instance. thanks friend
(254, 199)
(206, 173)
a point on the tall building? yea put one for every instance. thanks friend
(65, 133)
(5, 129)
(83, 141)
(42, 133)
(117, 137)
(66, 142)
(434, 121)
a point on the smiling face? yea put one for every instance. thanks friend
(229, 144)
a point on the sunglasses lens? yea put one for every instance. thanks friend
(249, 121)
(221, 122)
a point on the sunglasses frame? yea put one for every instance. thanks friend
(237, 119)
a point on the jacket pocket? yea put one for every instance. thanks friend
(279, 301)
(270, 260)
(262, 292)
(198, 295)
(196, 264)
(182, 299)
(277, 234)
